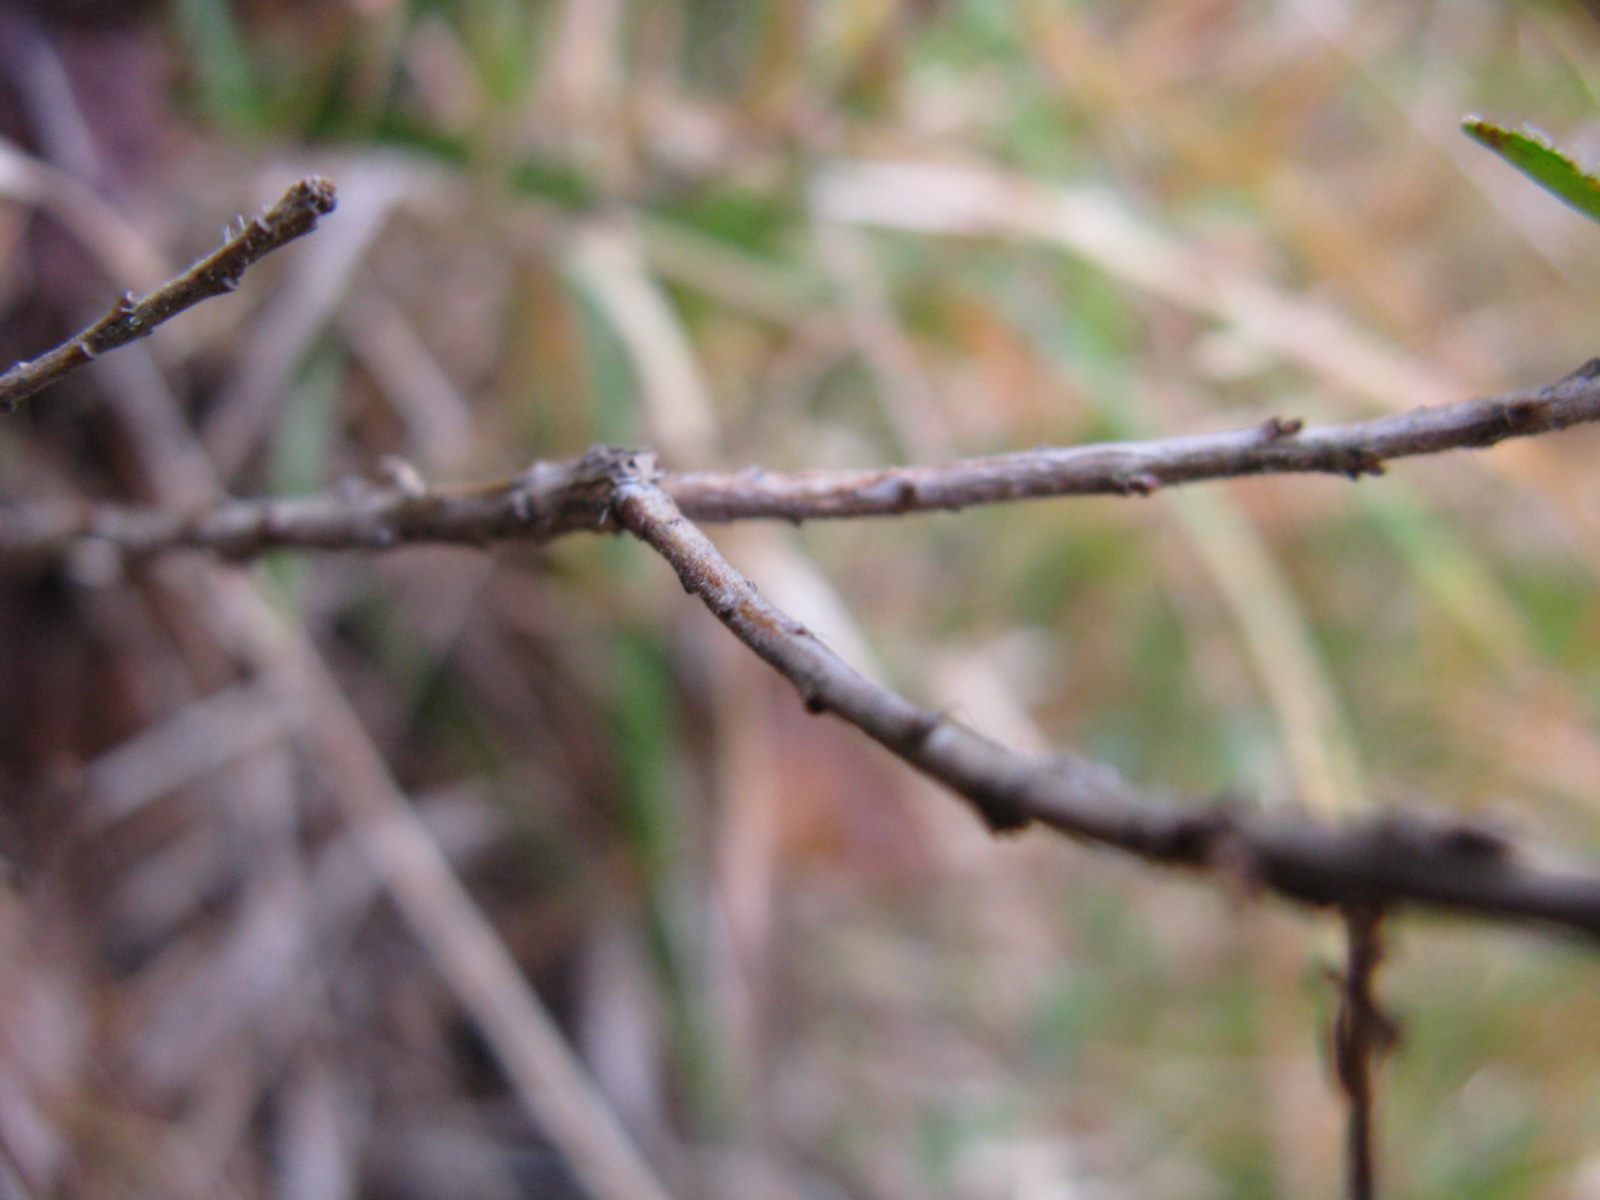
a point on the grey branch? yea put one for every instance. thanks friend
(1276, 446)
(548, 500)
(292, 216)
(1383, 863)
(555, 498)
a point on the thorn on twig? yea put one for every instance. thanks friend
(1002, 805)
(1276, 429)
(402, 476)
(906, 495)
(1139, 483)
(1480, 842)
(1520, 412)
(923, 727)
(1355, 463)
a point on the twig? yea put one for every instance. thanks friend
(1385, 862)
(1361, 1032)
(555, 498)
(1276, 446)
(546, 501)
(219, 272)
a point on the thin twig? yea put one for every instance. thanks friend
(294, 215)
(1361, 1032)
(1275, 446)
(1384, 862)
(555, 498)
(548, 500)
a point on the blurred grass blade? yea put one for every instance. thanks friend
(225, 76)
(1532, 153)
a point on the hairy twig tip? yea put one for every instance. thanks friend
(318, 193)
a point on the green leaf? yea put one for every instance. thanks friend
(1532, 153)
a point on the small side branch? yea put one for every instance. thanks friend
(1361, 1033)
(1385, 863)
(293, 216)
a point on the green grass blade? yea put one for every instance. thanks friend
(1532, 153)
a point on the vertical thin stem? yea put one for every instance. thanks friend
(1361, 1032)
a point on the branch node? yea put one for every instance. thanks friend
(1139, 483)
(1277, 429)
(403, 476)
(1002, 804)
(1357, 462)
(923, 727)
(1478, 842)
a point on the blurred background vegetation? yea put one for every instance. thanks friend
(798, 234)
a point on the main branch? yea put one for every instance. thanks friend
(554, 498)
